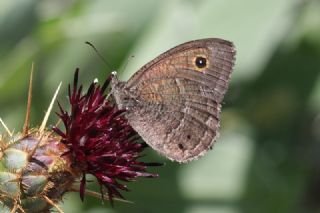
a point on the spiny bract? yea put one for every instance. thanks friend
(32, 172)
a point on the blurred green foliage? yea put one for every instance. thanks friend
(267, 158)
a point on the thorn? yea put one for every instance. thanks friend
(33, 151)
(6, 128)
(46, 117)
(15, 207)
(98, 195)
(44, 122)
(27, 120)
(21, 209)
(53, 204)
(16, 180)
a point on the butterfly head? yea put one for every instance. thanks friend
(121, 94)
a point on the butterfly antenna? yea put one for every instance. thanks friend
(100, 56)
(127, 62)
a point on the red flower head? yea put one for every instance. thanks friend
(100, 140)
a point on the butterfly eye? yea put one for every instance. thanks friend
(201, 62)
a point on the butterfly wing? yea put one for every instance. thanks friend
(175, 100)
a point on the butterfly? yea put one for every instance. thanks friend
(174, 101)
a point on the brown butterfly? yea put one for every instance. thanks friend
(174, 101)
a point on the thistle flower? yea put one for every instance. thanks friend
(100, 141)
(38, 166)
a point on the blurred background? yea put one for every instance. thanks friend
(267, 158)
